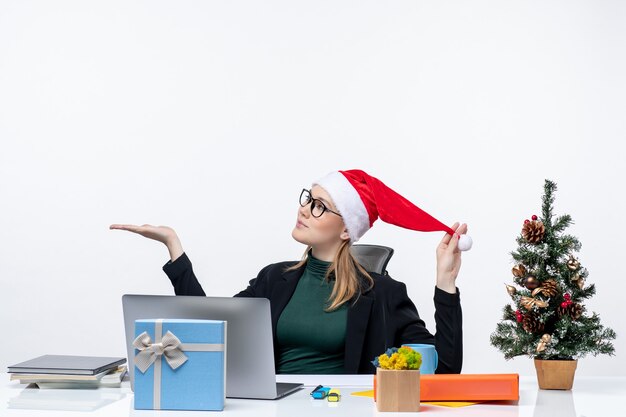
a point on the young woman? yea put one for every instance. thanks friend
(330, 315)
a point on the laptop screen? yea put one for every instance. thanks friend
(250, 371)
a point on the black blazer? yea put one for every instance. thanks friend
(382, 317)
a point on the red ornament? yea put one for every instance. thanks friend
(518, 316)
(567, 297)
(564, 304)
(534, 217)
(526, 221)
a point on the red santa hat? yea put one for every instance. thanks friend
(361, 199)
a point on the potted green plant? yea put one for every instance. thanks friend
(397, 380)
(548, 321)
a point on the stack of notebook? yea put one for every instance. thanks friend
(62, 371)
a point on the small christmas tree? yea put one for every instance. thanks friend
(549, 320)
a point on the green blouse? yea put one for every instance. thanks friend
(311, 340)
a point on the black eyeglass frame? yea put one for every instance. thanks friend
(311, 200)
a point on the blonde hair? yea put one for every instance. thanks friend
(345, 267)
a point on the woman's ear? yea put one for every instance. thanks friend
(345, 235)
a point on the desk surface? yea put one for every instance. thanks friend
(601, 396)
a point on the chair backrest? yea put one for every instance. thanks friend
(373, 257)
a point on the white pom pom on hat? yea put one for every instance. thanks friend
(465, 242)
(362, 199)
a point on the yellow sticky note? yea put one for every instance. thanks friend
(368, 393)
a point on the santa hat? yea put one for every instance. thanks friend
(361, 199)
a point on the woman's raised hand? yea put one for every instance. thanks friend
(163, 234)
(449, 259)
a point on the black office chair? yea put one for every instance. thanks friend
(373, 257)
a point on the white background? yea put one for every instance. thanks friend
(211, 116)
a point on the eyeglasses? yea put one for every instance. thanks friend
(317, 207)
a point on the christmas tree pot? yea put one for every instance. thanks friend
(548, 320)
(555, 374)
(397, 390)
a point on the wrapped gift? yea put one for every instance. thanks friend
(180, 364)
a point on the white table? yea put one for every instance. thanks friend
(591, 396)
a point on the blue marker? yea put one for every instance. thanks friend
(320, 392)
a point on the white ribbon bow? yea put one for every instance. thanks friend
(169, 347)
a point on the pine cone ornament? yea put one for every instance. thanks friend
(531, 323)
(533, 231)
(547, 288)
(573, 310)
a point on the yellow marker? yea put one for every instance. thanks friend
(333, 395)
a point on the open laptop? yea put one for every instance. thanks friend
(250, 371)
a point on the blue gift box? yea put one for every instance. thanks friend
(180, 364)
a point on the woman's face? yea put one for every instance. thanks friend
(328, 230)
